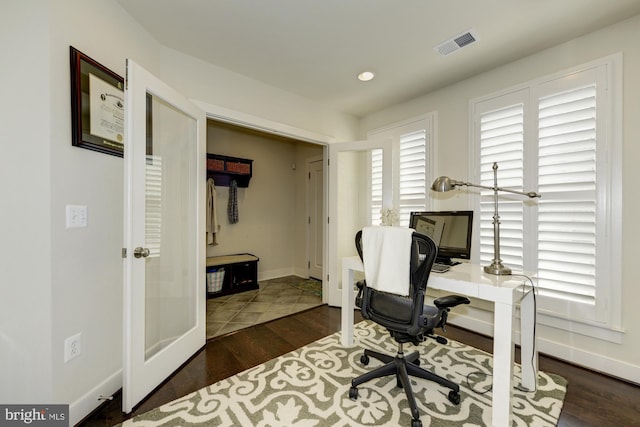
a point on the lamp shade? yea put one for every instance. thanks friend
(443, 183)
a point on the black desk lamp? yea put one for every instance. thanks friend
(444, 183)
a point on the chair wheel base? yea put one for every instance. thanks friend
(454, 397)
(353, 393)
(364, 359)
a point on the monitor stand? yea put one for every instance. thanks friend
(447, 261)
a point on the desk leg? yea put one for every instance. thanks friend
(503, 350)
(348, 304)
(529, 352)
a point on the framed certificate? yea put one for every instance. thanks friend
(97, 106)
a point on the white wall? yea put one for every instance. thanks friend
(352, 202)
(56, 282)
(25, 193)
(452, 104)
(86, 274)
(205, 82)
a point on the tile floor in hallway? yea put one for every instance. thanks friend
(275, 298)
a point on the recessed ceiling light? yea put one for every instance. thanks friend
(365, 76)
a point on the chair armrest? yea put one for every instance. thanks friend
(360, 284)
(450, 301)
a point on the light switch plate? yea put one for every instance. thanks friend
(76, 216)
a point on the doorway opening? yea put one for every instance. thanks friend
(274, 221)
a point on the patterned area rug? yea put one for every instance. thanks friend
(310, 387)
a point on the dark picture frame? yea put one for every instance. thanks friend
(97, 106)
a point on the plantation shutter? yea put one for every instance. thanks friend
(153, 205)
(502, 141)
(376, 186)
(567, 180)
(410, 169)
(413, 188)
(567, 129)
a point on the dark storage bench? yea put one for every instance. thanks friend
(230, 274)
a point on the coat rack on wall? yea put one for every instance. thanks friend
(224, 169)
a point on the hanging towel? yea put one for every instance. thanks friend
(212, 213)
(386, 253)
(232, 208)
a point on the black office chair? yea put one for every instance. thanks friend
(407, 319)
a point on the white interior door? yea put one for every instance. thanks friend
(349, 201)
(315, 194)
(164, 268)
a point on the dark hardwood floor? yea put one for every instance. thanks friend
(592, 399)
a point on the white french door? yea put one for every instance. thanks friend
(349, 201)
(164, 264)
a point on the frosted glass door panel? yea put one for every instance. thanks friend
(170, 221)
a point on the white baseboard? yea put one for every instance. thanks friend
(596, 362)
(576, 356)
(471, 323)
(274, 274)
(90, 401)
(301, 272)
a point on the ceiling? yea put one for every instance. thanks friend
(316, 48)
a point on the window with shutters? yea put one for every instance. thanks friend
(556, 136)
(411, 145)
(502, 141)
(375, 188)
(412, 171)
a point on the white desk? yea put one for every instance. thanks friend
(505, 292)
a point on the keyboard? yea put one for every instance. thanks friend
(440, 268)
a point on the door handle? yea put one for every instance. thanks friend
(140, 252)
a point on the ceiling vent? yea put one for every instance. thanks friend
(458, 42)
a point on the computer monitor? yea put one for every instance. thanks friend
(450, 230)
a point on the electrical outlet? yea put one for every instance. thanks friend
(72, 347)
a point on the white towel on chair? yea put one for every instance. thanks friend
(386, 255)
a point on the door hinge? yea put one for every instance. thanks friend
(124, 252)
